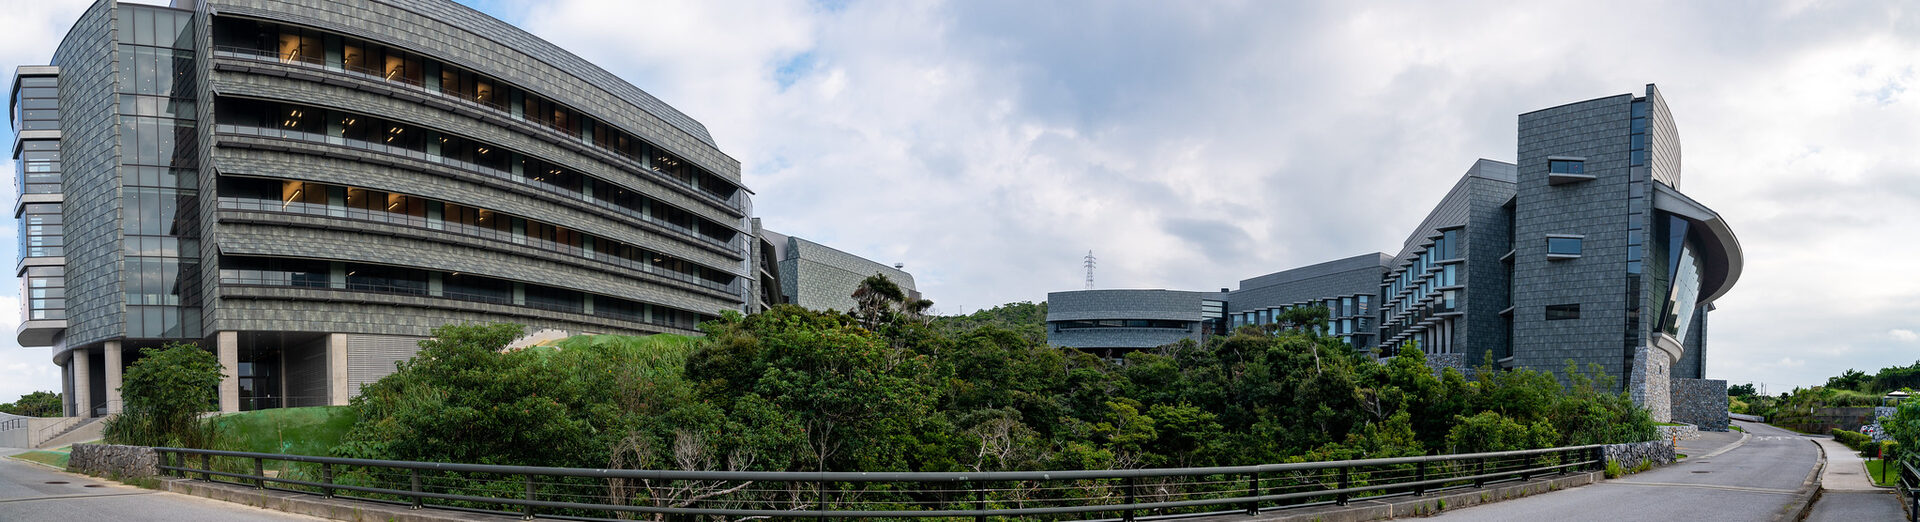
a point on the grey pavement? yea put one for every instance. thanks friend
(30, 492)
(1846, 492)
(1755, 480)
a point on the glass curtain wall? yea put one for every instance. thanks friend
(159, 155)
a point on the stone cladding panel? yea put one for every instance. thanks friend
(89, 152)
(1700, 402)
(459, 35)
(467, 190)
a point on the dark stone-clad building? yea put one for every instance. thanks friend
(1584, 250)
(309, 188)
(1112, 322)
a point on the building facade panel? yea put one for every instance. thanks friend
(256, 188)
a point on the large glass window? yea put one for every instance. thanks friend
(1566, 166)
(1563, 246)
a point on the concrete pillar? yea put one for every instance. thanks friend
(67, 409)
(112, 363)
(228, 348)
(82, 377)
(337, 391)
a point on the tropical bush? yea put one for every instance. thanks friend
(164, 394)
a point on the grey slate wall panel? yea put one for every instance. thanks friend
(819, 277)
(89, 151)
(462, 36)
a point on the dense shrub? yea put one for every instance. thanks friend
(793, 389)
(164, 393)
(1853, 439)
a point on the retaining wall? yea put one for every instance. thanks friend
(1700, 402)
(1630, 456)
(114, 460)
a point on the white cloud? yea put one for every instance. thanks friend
(989, 145)
(1903, 335)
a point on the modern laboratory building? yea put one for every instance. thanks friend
(309, 188)
(1583, 250)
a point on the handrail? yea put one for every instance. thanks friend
(733, 201)
(1167, 491)
(415, 155)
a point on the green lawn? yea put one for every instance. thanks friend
(1873, 472)
(56, 459)
(296, 431)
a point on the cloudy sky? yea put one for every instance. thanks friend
(990, 145)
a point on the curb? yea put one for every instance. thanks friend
(1809, 491)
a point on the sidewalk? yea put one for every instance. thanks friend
(1845, 491)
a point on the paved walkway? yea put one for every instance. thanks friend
(1846, 492)
(34, 492)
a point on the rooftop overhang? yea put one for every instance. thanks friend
(1721, 255)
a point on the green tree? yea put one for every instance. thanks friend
(875, 301)
(164, 393)
(1741, 390)
(36, 404)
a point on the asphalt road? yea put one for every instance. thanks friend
(30, 492)
(1752, 482)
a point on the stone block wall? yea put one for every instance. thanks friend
(114, 460)
(1700, 402)
(1656, 452)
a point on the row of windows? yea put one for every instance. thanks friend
(1124, 323)
(44, 293)
(1566, 166)
(38, 168)
(370, 205)
(36, 103)
(42, 230)
(329, 126)
(303, 273)
(308, 46)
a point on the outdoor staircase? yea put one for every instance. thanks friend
(50, 441)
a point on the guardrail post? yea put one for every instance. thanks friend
(414, 477)
(820, 495)
(326, 477)
(1420, 476)
(1341, 497)
(1253, 490)
(1479, 473)
(527, 514)
(205, 468)
(1526, 467)
(1127, 482)
(977, 502)
(259, 474)
(1599, 459)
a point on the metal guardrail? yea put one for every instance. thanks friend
(597, 494)
(1909, 483)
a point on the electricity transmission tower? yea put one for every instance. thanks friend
(1089, 264)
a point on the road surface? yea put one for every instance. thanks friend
(31, 492)
(1754, 481)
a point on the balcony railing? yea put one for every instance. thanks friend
(735, 201)
(421, 290)
(735, 245)
(422, 223)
